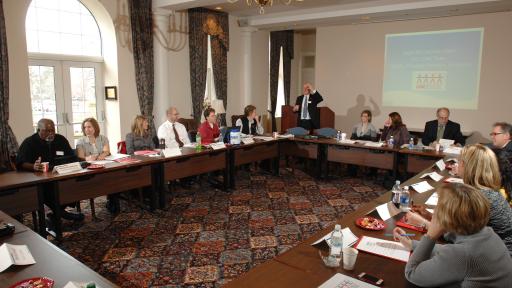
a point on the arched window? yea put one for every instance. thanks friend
(65, 65)
(62, 27)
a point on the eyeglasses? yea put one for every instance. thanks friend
(493, 134)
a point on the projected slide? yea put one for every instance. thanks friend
(433, 69)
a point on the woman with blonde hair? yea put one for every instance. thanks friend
(478, 167)
(92, 146)
(141, 137)
(477, 257)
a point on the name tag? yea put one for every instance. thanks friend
(59, 153)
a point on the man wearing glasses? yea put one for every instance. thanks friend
(500, 135)
(442, 128)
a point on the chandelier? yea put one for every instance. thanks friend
(265, 3)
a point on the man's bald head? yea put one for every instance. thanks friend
(46, 129)
(172, 114)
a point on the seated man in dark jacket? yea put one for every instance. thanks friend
(46, 146)
(442, 128)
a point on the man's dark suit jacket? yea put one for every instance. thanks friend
(314, 99)
(451, 131)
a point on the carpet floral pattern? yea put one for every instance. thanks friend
(208, 237)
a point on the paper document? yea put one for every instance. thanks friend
(285, 136)
(422, 187)
(347, 141)
(433, 175)
(454, 180)
(374, 144)
(264, 138)
(349, 238)
(452, 150)
(432, 200)
(440, 164)
(247, 140)
(344, 281)
(387, 210)
(218, 145)
(171, 152)
(389, 249)
(14, 255)
(116, 156)
(101, 162)
(446, 142)
(190, 145)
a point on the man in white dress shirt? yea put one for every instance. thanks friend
(174, 133)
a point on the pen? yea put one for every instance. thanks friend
(406, 234)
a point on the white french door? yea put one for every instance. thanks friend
(66, 92)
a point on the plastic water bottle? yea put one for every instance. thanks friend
(198, 141)
(411, 143)
(337, 238)
(391, 141)
(395, 193)
(338, 136)
(405, 197)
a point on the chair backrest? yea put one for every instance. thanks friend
(234, 118)
(121, 147)
(190, 124)
(326, 132)
(297, 131)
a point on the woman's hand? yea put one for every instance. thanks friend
(406, 241)
(415, 219)
(435, 230)
(422, 211)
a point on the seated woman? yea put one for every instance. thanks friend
(394, 127)
(250, 123)
(478, 167)
(364, 130)
(141, 137)
(92, 146)
(477, 257)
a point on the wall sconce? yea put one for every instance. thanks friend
(111, 92)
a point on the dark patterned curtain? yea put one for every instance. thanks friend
(218, 27)
(198, 44)
(204, 22)
(280, 39)
(8, 143)
(141, 18)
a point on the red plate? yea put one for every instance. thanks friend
(37, 282)
(377, 224)
(95, 166)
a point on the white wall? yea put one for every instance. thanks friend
(350, 63)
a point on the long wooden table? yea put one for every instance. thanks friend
(301, 266)
(51, 261)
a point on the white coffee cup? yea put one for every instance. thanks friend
(438, 147)
(343, 136)
(349, 258)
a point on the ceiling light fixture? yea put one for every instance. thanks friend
(265, 3)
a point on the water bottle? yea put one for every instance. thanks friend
(391, 141)
(411, 143)
(198, 141)
(405, 197)
(395, 193)
(336, 239)
(338, 136)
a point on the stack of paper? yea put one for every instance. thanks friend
(374, 144)
(285, 136)
(452, 150)
(347, 141)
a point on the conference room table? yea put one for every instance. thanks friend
(22, 192)
(51, 261)
(301, 266)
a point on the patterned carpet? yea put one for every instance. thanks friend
(208, 236)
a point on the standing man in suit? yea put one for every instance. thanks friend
(308, 116)
(442, 128)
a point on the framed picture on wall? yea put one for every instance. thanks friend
(111, 92)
